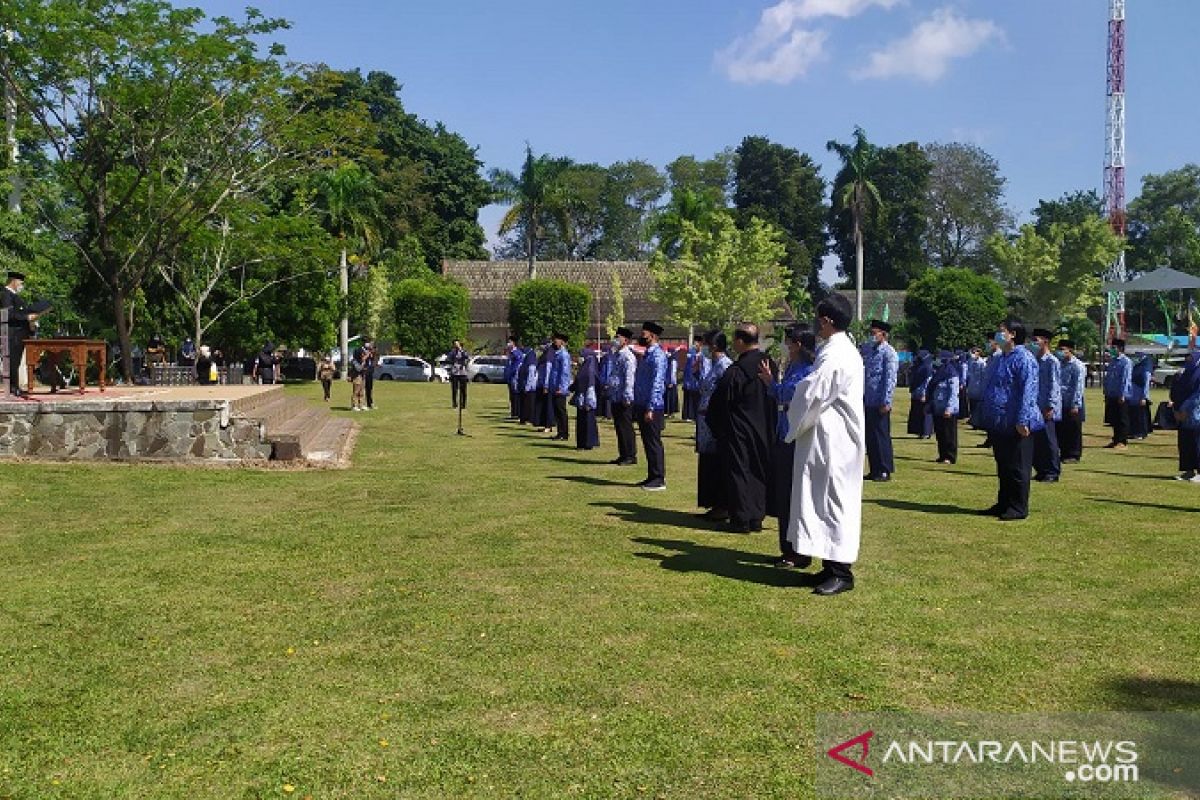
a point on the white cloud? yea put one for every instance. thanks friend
(778, 50)
(926, 53)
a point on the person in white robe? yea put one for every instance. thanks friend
(827, 423)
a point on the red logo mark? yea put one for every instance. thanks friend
(863, 739)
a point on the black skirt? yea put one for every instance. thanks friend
(711, 482)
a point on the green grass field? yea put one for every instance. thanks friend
(503, 616)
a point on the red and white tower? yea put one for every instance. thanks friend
(1114, 157)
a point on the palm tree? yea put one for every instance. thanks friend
(858, 158)
(536, 198)
(350, 205)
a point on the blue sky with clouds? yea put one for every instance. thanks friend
(653, 79)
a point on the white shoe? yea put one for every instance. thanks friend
(1186, 476)
(1195, 478)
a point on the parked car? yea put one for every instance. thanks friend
(298, 369)
(408, 368)
(487, 369)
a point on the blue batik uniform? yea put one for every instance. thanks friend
(1010, 399)
(559, 381)
(1118, 386)
(691, 383)
(1140, 424)
(603, 403)
(1069, 430)
(621, 375)
(650, 380)
(920, 416)
(976, 377)
(880, 367)
(944, 390)
(943, 393)
(783, 389)
(529, 367)
(1047, 464)
(512, 368)
(671, 389)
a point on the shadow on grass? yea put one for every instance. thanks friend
(1139, 504)
(590, 481)
(569, 460)
(1168, 738)
(1156, 694)
(925, 508)
(647, 515)
(723, 562)
(1127, 475)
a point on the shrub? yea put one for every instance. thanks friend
(430, 315)
(954, 308)
(539, 308)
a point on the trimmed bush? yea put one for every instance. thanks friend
(430, 315)
(538, 308)
(954, 308)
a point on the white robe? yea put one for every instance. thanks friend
(826, 421)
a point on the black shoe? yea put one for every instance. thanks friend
(793, 562)
(1046, 479)
(1070, 461)
(716, 515)
(739, 527)
(1010, 515)
(617, 462)
(654, 486)
(882, 477)
(831, 586)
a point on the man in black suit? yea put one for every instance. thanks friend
(21, 321)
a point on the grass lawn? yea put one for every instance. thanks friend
(503, 616)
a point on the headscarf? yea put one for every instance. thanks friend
(1186, 383)
(586, 379)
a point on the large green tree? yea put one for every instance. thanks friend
(1164, 222)
(537, 203)
(965, 206)
(953, 308)
(891, 224)
(723, 274)
(782, 186)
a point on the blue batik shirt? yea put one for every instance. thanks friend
(1073, 375)
(976, 377)
(560, 372)
(621, 376)
(784, 389)
(531, 370)
(513, 368)
(649, 384)
(943, 390)
(1139, 380)
(1117, 379)
(1010, 397)
(1050, 386)
(880, 365)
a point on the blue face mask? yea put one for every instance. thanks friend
(1001, 338)
(1062, 354)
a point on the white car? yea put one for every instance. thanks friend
(408, 368)
(487, 369)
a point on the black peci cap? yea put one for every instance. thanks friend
(653, 327)
(623, 331)
(1042, 333)
(880, 325)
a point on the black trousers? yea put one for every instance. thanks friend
(1116, 414)
(711, 482)
(656, 468)
(879, 442)
(458, 391)
(560, 415)
(1046, 454)
(622, 416)
(369, 387)
(16, 349)
(946, 431)
(527, 401)
(1189, 449)
(691, 403)
(837, 569)
(1140, 423)
(1014, 463)
(1070, 436)
(514, 404)
(325, 387)
(779, 495)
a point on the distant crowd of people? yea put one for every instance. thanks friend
(792, 442)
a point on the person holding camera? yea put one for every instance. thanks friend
(458, 359)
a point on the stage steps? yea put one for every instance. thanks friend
(299, 431)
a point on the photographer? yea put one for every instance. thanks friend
(457, 360)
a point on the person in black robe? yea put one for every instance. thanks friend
(21, 319)
(742, 417)
(920, 416)
(587, 392)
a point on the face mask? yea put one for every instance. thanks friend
(1001, 338)
(1062, 354)
(616, 343)
(1034, 348)
(1114, 352)
(643, 341)
(704, 351)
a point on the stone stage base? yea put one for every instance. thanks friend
(187, 424)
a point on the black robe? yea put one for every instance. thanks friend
(742, 416)
(19, 329)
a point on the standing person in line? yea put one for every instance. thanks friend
(691, 379)
(511, 367)
(1118, 386)
(587, 436)
(1070, 430)
(1140, 379)
(964, 402)
(711, 486)
(369, 362)
(265, 365)
(559, 385)
(1047, 466)
(1185, 403)
(603, 404)
(458, 359)
(943, 400)
(325, 373)
(527, 377)
(992, 360)
(742, 415)
(976, 377)
(206, 370)
(1011, 416)
(825, 420)
(545, 400)
(357, 377)
(622, 373)
(920, 420)
(801, 350)
(649, 390)
(880, 365)
(671, 395)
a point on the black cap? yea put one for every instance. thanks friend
(1042, 333)
(623, 331)
(15, 276)
(1067, 343)
(653, 327)
(880, 325)
(562, 336)
(1118, 343)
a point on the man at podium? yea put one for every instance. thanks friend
(22, 322)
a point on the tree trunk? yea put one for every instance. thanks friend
(344, 328)
(858, 269)
(199, 329)
(122, 334)
(529, 246)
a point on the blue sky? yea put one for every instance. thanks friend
(610, 80)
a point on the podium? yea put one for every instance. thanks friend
(79, 348)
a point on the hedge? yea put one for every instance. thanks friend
(539, 308)
(430, 315)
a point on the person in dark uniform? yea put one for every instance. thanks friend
(512, 366)
(205, 369)
(943, 401)
(1011, 416)
(1118, 386)
(691, 379)
(21, 326)
(1069, 431)
(671, 396)
(802, 349)
(559, 385)
(920, 418)
(370, 359)
(527, 377)
(742, 415)
(265, 365)
(587, 388)
(456, 361)
(1047, 457)
(649, 390)
(880, 366)
(711, 486)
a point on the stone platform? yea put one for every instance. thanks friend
(187, 424)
